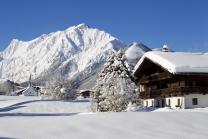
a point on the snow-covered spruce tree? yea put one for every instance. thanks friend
(60, 88)
(115, 88)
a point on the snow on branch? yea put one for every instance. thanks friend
(60, 88)
(115, 88)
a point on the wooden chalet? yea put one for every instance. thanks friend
(177, 80)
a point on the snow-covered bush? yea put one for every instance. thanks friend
(93, 106)
(7, 88)
(115, 88)
(131, 107)
(60, 88)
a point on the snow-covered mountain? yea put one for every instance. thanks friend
(134, 52)
(78, 50)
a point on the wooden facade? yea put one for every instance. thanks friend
(155, 81)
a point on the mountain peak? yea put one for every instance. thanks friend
(82, 26)
(137, 44)
(15, 40)
(136, 50)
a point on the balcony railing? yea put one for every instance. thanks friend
(155, 77)
(173, 92)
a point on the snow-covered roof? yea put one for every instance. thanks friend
(178, 62)
(20, 90)
(80, 91)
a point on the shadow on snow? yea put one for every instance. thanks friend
(7, 138)
(19, 105)
(37, 114)
(10, 108)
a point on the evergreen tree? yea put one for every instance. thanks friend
(115, 88)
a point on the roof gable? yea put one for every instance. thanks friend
(177, 62)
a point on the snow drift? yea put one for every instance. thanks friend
(27, 117)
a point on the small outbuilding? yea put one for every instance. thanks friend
(85, 93)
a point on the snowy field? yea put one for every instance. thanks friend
(31, 118)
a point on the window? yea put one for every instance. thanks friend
(141, 88)
(194, 101)
(146, 103)
(178, 102)
(168, 102)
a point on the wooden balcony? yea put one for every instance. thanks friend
(155, 77)
(167, 92)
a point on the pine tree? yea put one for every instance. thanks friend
(115, 88)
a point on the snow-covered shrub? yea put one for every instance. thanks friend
(132, 107)
(60, 88)
(7, 88)
(93, 106)
(115, 88)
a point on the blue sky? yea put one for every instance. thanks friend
(182, 24)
